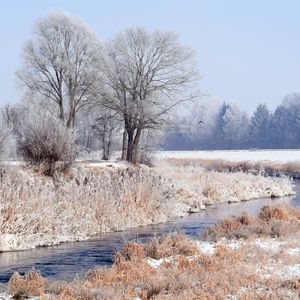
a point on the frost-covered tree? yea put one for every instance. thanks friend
(280, 127)
(105, 128)
(203, 124)
(291, 100)
(231, 128)
(210, 126)
(148, 74)
(236, 125)
(177, 135)
(220, 124)
(260, 127)
(292, 103)
(62, 63)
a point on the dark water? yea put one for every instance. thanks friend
(69, 260)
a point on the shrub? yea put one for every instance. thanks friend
(45, 142)
(4, 136)
(32, 283)
(272, 221)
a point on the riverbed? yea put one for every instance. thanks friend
(66, 261)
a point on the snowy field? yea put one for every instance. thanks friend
(234, 155)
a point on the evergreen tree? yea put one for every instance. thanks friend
(259, 127)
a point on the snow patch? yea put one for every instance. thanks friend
(156, 263)
(293, 251)
(206, 248)
(268, 245)
(10, 242)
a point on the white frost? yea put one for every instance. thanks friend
(10, 242)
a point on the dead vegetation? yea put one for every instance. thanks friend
(199, 187)
(178, 269)
(291, 169)
(36, 210)
(272, 221)
(45, 143)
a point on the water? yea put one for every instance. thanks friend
(69, 260)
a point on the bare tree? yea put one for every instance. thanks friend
(148, 74)
(105, 127)
(62, 63)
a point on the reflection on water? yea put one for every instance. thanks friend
(66, 261)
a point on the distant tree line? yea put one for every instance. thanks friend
(215, 125)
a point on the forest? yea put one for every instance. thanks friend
(213, 125)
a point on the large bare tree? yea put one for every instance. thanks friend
(148, 74)
(62, 62)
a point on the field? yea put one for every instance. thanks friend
(234, 155)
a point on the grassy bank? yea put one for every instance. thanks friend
(37, 210)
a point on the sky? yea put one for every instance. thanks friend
(248, 52)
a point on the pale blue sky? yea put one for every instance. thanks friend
(248, 51)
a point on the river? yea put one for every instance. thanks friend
(66, 261)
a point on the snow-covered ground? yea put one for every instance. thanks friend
(234, 155)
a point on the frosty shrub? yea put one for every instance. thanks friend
(4, 136)
(45, 142)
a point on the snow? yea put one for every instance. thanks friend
(284, 273)
(290, 271)
(234, 155)
(10, 242)
(206, 248)
(4, 296)
(268, 245)
(156, 263)
(293, 251)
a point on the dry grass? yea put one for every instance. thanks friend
(198, 187)
(272, 221)
(38, 210)
(31, 284)
(171, 245)
(291, 169)
(184, 272)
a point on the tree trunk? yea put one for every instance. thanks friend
(61, 112)
(109, 144)
(71, 118)
(72, 109)
(105, 155)
(124, 146)
(136, 145)
(130, 138)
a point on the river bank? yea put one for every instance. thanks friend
(42, 211)
(244, 257)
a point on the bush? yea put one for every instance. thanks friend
(4, 136)
(45, 142)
